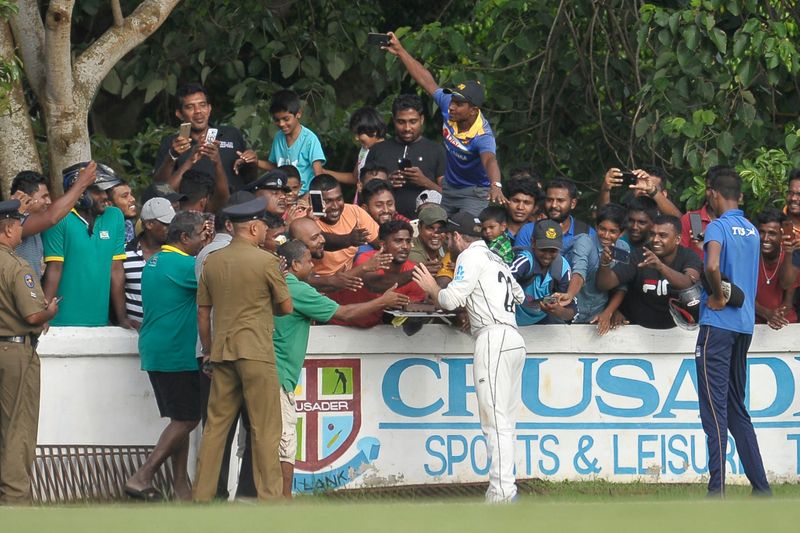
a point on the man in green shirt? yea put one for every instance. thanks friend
(167, 349)
(291, 338)
(84, 254)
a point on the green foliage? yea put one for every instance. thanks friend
(573, 87)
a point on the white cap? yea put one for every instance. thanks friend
(157, 209)
(429, 197)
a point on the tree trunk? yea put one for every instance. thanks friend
(67, 139)
(18, 147)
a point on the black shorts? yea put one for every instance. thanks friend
(179, 395)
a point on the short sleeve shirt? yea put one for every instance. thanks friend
(241, 282)
(351, 216)
(169, 328)
(230, 141)
(32, 250)
(423, 153)
(301, 154)
(739, 263)
(86, 276)
(291, 331)
(464, 148)
(647, 299)
(20, 295)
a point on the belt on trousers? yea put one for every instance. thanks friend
(20, 339)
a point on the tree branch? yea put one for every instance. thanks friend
(116, 10)
(28, 31)
(57, 53)
(92, 66)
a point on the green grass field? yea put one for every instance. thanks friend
(549, 507)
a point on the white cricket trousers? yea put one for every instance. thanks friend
(497, 369)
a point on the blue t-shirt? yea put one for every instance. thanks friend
(464, 167)
(537, 283)
(302, 154)
(525, 236)
(739, 263)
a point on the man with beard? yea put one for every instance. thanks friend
(395, 240)
(483, 284)
(273, 185)
(41, 213)
(377, 199)
(560, 200)
(308, 231)
(641, 214)
(84, 254)
(773, 302)
(665, 269)
(414, 163)
(428, 247)
(543, 273)
(345, 227)
(235, 158)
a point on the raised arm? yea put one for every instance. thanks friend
(40, 222)
(420, 74)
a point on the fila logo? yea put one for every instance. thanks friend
(660, 286)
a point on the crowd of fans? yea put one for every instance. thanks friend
(139, 263)
(622, 267)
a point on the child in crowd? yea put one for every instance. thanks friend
(494, 224)
(294, 182)
(366, 174)
(369, 129)
(294, 144)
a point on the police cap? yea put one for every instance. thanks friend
(274, 179)
(244, 212)
(10, 209)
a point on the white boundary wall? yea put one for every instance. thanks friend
(621, 407)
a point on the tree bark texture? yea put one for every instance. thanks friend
(65, 88)
(18, 147)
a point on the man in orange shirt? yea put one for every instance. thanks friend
(344, 226)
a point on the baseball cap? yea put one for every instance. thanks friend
(158, 209)
(468, 91)
(547, 234)
(429, 196)
(431, 214)
(464, 223)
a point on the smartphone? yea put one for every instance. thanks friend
(186, 129)
(378, 39)
(629, 178)
(620, 256)
(211, 135)
(317, 205)
(403, 164)
(696, 226)
(549, 300)
(787, 228)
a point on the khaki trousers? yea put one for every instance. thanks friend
(255, 382)
(19, 420)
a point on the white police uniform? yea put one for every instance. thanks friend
(484, 285)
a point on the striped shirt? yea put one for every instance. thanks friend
(133, 266)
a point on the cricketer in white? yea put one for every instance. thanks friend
(484, 285)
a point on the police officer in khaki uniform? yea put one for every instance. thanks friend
(23, 312)
(244, 285)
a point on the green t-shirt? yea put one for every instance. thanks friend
(169, 300)
(86, 277)
(291, 331)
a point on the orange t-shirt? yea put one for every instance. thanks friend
(352, 216)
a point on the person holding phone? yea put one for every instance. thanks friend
(24, 311)
(415, 163)
(472, 174)
(194, 108)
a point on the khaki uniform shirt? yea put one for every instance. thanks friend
(20, 295)
(241, 282)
